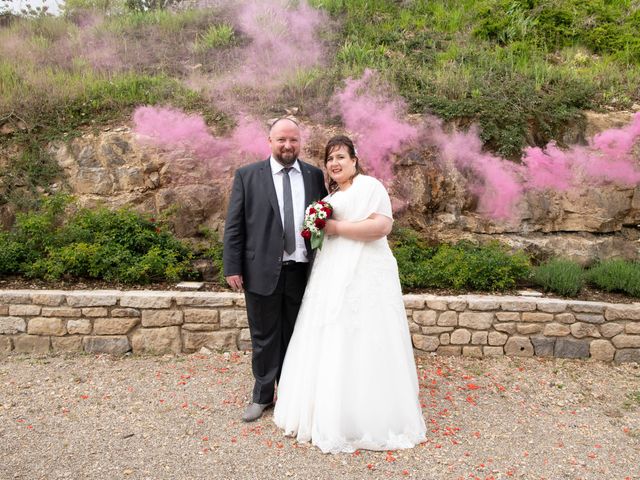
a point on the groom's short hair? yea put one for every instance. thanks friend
(279, 119)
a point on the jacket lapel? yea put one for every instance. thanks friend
(306, 178)
(267, 181)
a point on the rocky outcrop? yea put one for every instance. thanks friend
(114, 169)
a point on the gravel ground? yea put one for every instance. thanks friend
(100, 417)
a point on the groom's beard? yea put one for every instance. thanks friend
(286, 161)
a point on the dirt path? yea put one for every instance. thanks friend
(177, 418)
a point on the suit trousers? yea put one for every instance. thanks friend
(271, 322)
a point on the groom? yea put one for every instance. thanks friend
(264, 253)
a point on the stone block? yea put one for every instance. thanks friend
(95, 312)
(46, 326)
(4, 310)
(61, 312)
(477, 321)
(622, 312)
(81, 326)
(92, 299)
(6, 345)
(161, 318)
(508, 316)
(529, 328)
(556, 330)
(509, 328)
(11, 325)
(543, 346)
(244, 339)
(201, 315)
(460, 336)
(630, 355)
(581, 330)
(114, 326)
(425, 343)
(124, 312)
(53, 299)
(590, 318)
(609, 330)
(551, 306)
(156, 341)
(439, 305)
(626, 341)
(497, 338)
(147, 299)
(233, 319)
(445, 339)
(201, 327)
(479, 338)
(564, 318)
(11, 297)
(24, 310)
(632, 328)
(223, 340)
(602, 350)
(31, 344)
(206, 299)
(457, 305)
(448, 319)
(414, 327)
(570, 348)
(518, 306)
(414, 301)
(493, 351)
(484, 305)
(116, 345)
(474, 352)
(586, 307)
(435, 330)
(537, 317)
(66, 344)
(519, 347)
(240, 301)
(449, 350)
(425, 317)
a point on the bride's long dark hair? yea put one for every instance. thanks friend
(337, 142)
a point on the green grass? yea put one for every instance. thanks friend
(216, 36)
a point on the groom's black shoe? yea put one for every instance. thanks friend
(254, 411)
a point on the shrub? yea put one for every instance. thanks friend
(463, 266)
(616, 276)
(411, 253)
(489, 267)
(563, 277)
(119, 246)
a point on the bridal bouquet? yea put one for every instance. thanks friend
(315, 218)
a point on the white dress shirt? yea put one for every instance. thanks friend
(297, 195)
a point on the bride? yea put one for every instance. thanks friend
(349, 378)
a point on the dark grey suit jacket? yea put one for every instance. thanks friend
(253, 234)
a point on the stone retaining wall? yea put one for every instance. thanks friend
(151, 322)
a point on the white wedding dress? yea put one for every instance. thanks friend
(349, 377)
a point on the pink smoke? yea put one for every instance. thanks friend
(607, 159)
(375, 119)
(283, 40)
(172, 129)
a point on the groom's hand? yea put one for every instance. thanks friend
(235, 282)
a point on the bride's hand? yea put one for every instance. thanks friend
(331, 228)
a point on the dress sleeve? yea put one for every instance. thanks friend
(381, 201)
